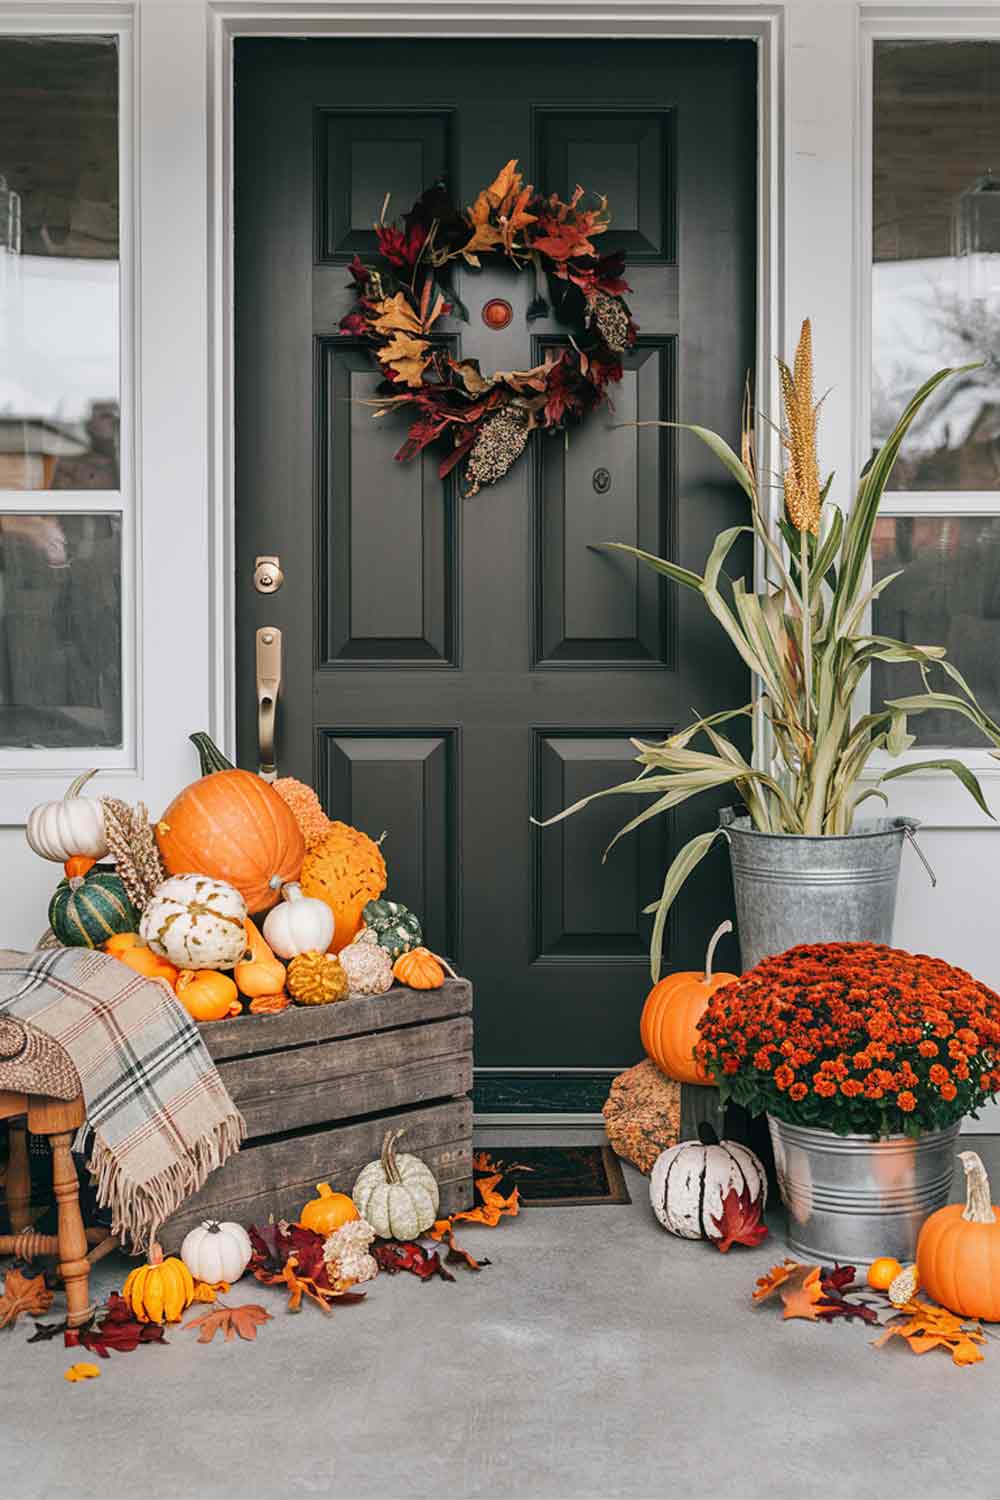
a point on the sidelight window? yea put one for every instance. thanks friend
(935, 301)
(66, 490)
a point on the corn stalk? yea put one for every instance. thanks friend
(804, 639)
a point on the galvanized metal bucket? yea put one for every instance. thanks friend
(791, 888)
(851, 1199)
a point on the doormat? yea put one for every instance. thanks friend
(560, 1176)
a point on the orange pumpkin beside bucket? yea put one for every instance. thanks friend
(670, 1016)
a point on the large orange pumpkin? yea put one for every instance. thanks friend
(958, 1249)
(234, 827)
(670, 1016)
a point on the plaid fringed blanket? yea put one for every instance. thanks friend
(161, 1117)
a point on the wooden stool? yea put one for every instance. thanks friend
(58, 1119)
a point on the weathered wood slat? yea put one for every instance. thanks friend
(277, 1177)
(273, 1072)
(246, 1036)
(700, 1106)
(375, 1092)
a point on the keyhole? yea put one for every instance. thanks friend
(602, 481)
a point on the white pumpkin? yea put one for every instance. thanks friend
(690, 1182)
(73, 825)
(298, 924)
(216, 1252)
(196, 922)
(398, 1195)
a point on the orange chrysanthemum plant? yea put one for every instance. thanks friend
(856, 1038)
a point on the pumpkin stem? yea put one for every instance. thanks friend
(155, 1253)
(292, 891)
(324, 1190)
(707, 1135)
(389, 1166)
(444, 964)
(713, 942)
(77, 785)
(978, 1208)
(209, 754)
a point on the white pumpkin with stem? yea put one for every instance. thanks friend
(73, 825)
(689, 1184)
(196, 922)
(398, 1195)
(298, 924)
(215, 1252)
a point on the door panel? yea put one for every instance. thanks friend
(454, 667)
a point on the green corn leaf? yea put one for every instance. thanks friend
(956, 767)
(669, 570)
(684, 862)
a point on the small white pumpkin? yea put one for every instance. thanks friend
(196, 922)
(690, 1182)
(216, 1252)
(298, 924)
(398, 1195)
(73, 825)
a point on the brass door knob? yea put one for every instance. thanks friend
(267, 575)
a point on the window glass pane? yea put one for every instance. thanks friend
(60, 631)
(948, 595)
(59, 272)
(936, 254)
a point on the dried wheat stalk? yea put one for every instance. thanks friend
(132, 842)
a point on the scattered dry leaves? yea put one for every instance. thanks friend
(925, 1327)
(23, 1294)
(741, 1221)
(243, 1320)
(81, 1372)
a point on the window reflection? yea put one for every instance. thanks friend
(59, 272)
(60, 631)
(949, 595)
(936, 253)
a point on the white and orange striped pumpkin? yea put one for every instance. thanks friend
(196, 922)
(690, 1182)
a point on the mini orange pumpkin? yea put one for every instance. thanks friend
(328, 1210)
(260, 973)
(958, 1249)
(207, 995)
(883, 1272)
(669, 1023)
(147, 963)
(420, 969)
(121, 942)
(76, 867)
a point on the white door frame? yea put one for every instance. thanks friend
(660, 19)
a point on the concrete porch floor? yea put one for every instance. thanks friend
(596, 1356)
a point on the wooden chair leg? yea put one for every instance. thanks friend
(74, 1267)
(18, 1178)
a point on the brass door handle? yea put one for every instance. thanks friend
(268, 688)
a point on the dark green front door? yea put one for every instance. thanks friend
(453, 666)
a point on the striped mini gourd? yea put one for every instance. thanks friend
(85, 912)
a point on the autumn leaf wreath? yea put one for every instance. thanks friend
(487, 419)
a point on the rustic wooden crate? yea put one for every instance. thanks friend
(320, 1085)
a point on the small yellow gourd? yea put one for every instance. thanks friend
(159, 1291)
(317, 979)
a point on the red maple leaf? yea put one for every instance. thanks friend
(740, 1222)
(407, 1255)
(401, 249)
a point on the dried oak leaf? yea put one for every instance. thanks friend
(396, 315)
(407, 1255)
(113, 1327)
(407, 357)
(23, 1294)
(797, 1285)
(243, 1320)
(81, 1372)
(740, 1222)
(924, 1327)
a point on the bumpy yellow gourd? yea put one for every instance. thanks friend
(317, 979)
(160, 1291)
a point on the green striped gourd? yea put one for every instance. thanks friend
(396, 928)
(86, 910)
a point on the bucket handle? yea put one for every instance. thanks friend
(909, 831)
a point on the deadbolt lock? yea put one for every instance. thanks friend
(267, 575)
